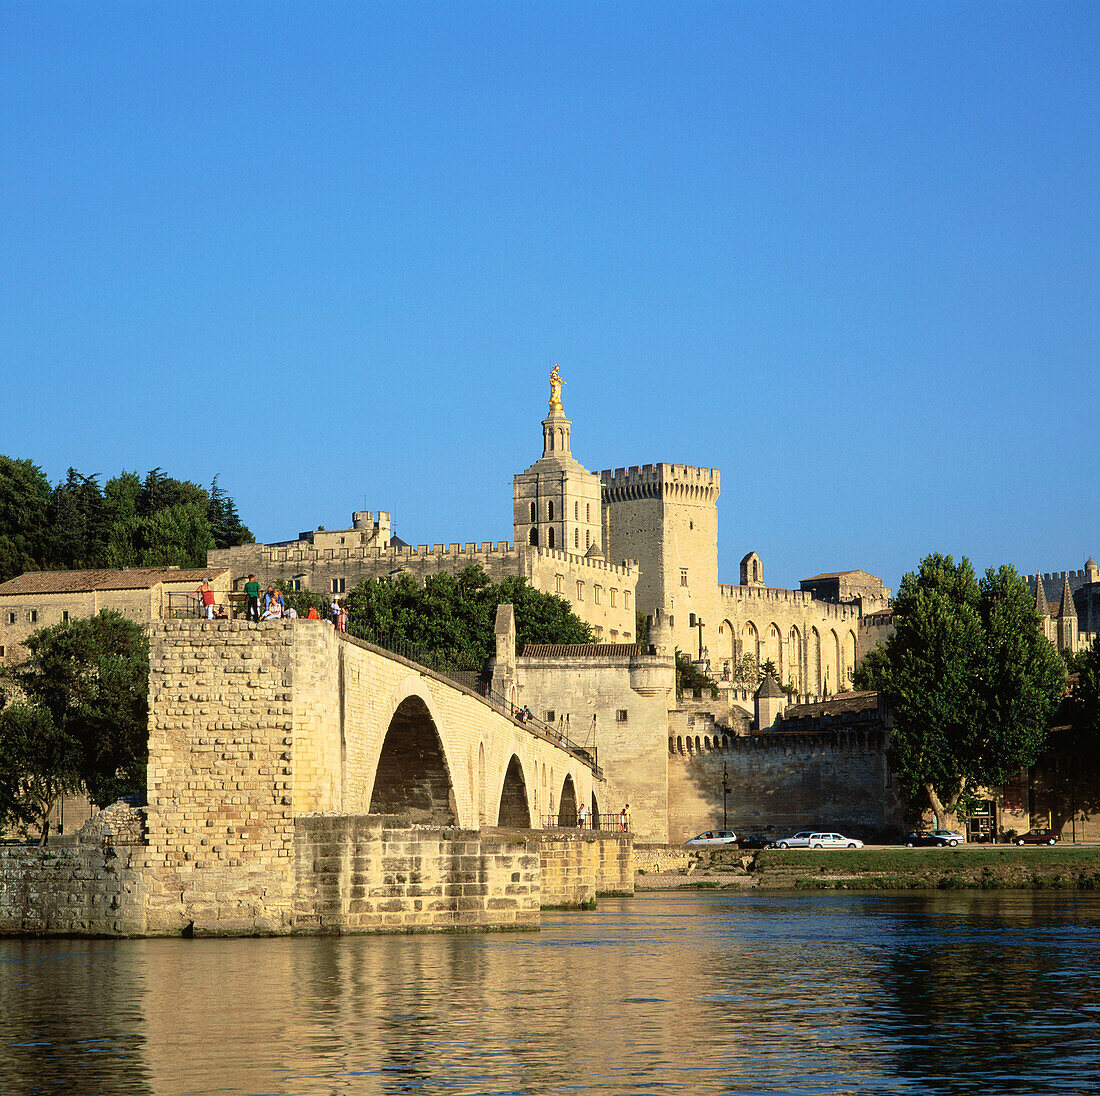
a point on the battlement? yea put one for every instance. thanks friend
(805, 744)
(1076, 578)
(654, 480)
(836, 610)
(304, 552)
(627, 569)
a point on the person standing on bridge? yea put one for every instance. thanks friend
(252, 593)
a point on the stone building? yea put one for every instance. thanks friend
(1068, 604)
(39, 599)
(632, 539)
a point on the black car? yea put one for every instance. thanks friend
(939, 838)
(753, 841)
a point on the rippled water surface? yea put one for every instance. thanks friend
(686, 992)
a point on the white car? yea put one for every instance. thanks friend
(713, 837)
(812, 839)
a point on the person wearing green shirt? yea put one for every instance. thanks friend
(252, 592)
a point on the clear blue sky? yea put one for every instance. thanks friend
(846, 253)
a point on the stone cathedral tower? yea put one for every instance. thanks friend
(556, 502)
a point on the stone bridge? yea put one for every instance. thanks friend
(295, 718)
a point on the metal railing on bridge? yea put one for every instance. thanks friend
(604, 823)
(183, 605)
(478, 680)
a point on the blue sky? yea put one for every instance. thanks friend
(846, 253)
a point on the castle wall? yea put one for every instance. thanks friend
(578, 579)
(779, 784)
(814, 644)
(619, 705)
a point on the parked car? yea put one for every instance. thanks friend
(834, 841)
(713, 837)
(1038, 837)
(753, 841)
(801, 840)
(936, 837)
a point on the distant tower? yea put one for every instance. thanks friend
(556, 502)
(666, 517)
(1067, 620)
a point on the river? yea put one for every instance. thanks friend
(694, 992)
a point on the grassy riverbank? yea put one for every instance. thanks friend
(978, 867)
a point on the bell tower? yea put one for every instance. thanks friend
(556, 502)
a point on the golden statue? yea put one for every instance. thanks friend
(555, 392)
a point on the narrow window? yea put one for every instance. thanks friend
(576, 538)
(580, 591)
(626, 599)
(550, 510)
(296, 584)
(550, 716)
(532, 511)
(599, 631)
(620, 716)
(34, 616)
(3, 651)
(559, 583)
(588, 511)
(11, 618)
(550, 537)
(576, 511)
(596, 591)
(587, 539)
(613, 593)
(683, 576)
(64, 616)
(691, 620)
(534, 537)
(337, 585)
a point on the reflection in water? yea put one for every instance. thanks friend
(702, 993)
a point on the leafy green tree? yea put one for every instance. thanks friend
(91, 679)
(690, 679)
(226, 526)
(970, 677)
(177, 535)
(24, 503)
(38, 762)
(1084, 707)
(452, 617)
(78, 523)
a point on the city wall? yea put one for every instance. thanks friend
(778, 784)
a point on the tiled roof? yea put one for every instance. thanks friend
(579, 650)
(80, 582)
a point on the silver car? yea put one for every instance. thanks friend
(713, 837)
(801, 840)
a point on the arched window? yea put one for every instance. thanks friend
(576, 511)
(576, 538)
(534, 539)
(587, 539)
(550, 537)
(550, 510)
(533, 514)
(587, 511)
(754, 571)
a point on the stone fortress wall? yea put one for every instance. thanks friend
(337, 568)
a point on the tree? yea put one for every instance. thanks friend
(226, 526)
(38, 762)
(1084, 706)
(90, 679)
(24, 501)
(689, 678)
(971, 680)
(452, 617)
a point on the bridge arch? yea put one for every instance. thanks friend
(413, 777)
(567, 803)
(514, 810)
